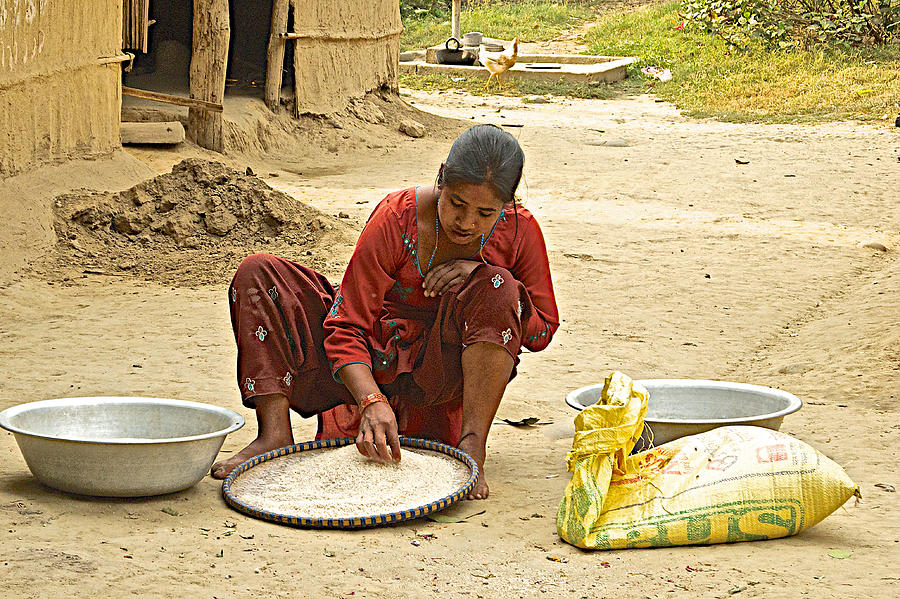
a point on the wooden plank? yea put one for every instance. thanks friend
(171, 132)
(135, 23)
(126, 24)
(209, 62)
(170, 99)
(275, 53)
(145, 26)
(297, 65)
(340, 35)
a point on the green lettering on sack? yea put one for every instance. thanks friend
(698, 528)
(661, 539)
(776, 520)
(736, 534)
(655, 531)
(579, 503)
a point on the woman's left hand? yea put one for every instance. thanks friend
(444, 276)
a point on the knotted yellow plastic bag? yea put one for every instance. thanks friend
(738, 483)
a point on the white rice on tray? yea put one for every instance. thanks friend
(341, 483)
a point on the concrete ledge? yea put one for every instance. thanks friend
(607, 69)
(569, 58)
(430, 56)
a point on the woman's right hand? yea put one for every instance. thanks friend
(378, 438)
(378, 432)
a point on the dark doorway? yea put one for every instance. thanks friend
(166, 65)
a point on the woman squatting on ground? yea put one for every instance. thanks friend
(445, 286)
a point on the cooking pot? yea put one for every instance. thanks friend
(452, 54)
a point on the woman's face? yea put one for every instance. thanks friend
(468, 210)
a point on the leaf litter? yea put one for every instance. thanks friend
(530, 421)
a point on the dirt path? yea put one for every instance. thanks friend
(670, 260)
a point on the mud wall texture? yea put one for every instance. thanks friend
(58, 101)
(347, 48)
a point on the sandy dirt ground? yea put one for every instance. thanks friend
(670, 259)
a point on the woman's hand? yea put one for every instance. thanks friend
(444, 276)
(378, 432)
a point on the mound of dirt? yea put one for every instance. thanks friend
(191, 226)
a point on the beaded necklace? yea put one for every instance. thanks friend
(437, 235)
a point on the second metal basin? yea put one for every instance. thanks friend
(680, 407)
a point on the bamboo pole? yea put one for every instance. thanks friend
(455, 17)
(209, 62)
(125, 56)
(170, 99)
(275, 53)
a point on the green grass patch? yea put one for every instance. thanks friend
(530, 20)
(709, 79)
(759, 85)
(477, 87)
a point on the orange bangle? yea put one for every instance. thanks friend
(371, 398)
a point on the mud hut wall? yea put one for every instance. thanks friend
(57, 101)
(348, 48)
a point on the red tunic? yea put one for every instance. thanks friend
(381, 316)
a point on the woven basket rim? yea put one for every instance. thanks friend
(368, 521)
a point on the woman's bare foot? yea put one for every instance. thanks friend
(475, 448)
(273, 416)
(258, 446)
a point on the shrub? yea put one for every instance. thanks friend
(422, 8)
(786, 23)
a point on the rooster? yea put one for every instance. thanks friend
(499, 62)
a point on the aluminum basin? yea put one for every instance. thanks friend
(119, 446)
(680, 407)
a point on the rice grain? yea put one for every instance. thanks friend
(341, 483)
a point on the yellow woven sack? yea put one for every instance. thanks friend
(737, 483)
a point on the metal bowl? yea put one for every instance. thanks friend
(492, 47)
(472, 38)
(119, 446)
(680, 407)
